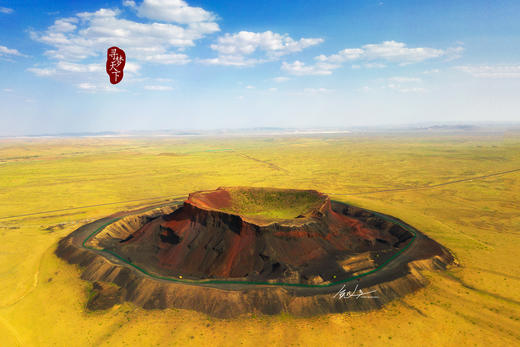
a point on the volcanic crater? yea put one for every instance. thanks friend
(239, 250)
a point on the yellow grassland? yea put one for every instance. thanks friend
(42, 298)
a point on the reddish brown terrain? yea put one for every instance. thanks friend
(254, 237)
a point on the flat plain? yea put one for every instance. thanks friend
(49, 187)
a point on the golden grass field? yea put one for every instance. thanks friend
(42, 298)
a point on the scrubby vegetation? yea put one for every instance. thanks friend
(272, 203)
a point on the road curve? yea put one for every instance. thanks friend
(420, 247)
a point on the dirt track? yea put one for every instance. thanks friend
(429, 186)
(500, 173)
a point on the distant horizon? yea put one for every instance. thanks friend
(270, 131)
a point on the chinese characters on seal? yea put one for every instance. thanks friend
(116, 59)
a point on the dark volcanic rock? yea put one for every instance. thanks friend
(104, 296)
(228, 235)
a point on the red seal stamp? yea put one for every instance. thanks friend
(116, 59)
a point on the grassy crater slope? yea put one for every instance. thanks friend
(267, 203)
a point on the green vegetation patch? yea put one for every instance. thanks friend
(273, 204)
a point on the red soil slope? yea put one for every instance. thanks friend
(199, 240)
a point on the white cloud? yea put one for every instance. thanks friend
(281, 79)
(64, 25)
(374, 56)
(272, 89)
(4, 51)
(158, 88)
(317, 91)
(6, 10)
(86, 86)
(7, 90)
(453, 53)
(299, 68)
(78, 43)
(431, 71)
(492, 71)
(402, 84)
(234, 49)
(250, 87)
(162, 79)
(65, 67)
(402, 89)
(42, 71)
(369, 66)
(177, 11)
(374, 65)
(168, 58)
(229, 60)
(129, 3)
(93, 76)
(98, 87)
(348, 54)
(246, 42)
(87, 35)
(398, 52)
(73, 67)
(405, 79)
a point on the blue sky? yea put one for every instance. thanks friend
(238, 64)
